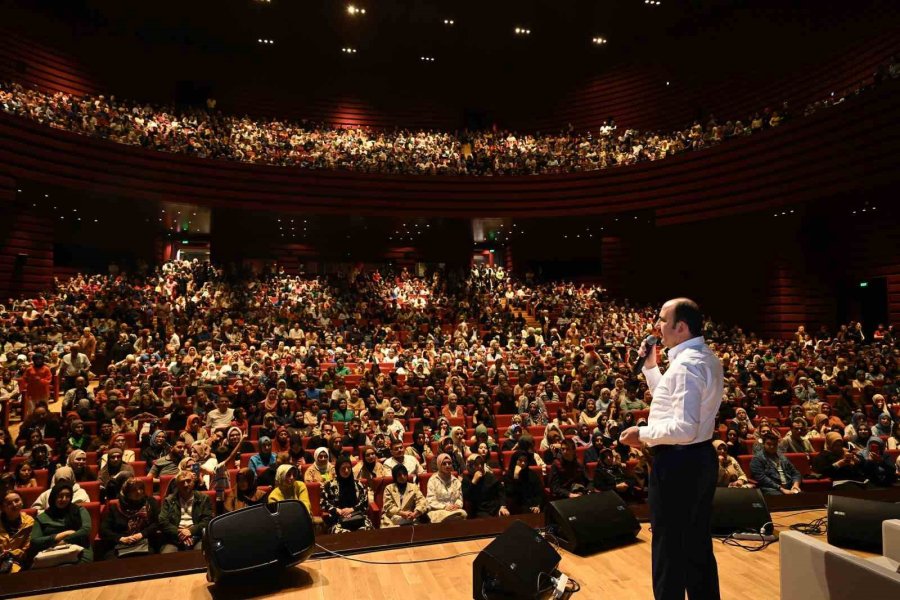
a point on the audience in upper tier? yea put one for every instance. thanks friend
(472, 394)
(210, 134)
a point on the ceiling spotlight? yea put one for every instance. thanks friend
(355, 11)
(522, 31)
(265, 41)
(349, 50)
(599, 41)
(449, 22)
(427, 58)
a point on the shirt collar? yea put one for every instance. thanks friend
(691, 343)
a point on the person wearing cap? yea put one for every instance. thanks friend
(773, 472)
(678, 434)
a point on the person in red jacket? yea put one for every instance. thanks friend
(38, 379)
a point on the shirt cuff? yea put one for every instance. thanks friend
(642, 433)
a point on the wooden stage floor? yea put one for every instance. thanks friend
(618, 573)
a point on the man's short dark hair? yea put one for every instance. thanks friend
(770, 437)
(799, 421)
(687, 311)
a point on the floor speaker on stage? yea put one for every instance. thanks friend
(856, 523)
(592, 522)
(517, 564)
(740, 510)
(258, 538)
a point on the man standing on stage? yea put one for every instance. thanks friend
(684, 470)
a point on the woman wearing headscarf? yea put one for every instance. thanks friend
(856, 419)
(402, 503)
(884, 426)
(113, 467)
(194, 431)
(879, 467)
(321, 471)
(420, 449)
(345, 501)
(481, 489)
(207, 462)
(836, 462)
(568, 478)
(741, 417)
(246, 492)
(730, 472)
(62, 475)
(368, 470)
(77, 461)
(445, 501)
(522, 486)
(282, 440)
(458, 435)
(134, 518)
(15, 531)
(157, 446)
(119, 441)
(64, 522)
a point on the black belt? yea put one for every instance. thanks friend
(657, 450)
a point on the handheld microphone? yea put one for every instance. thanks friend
(651, 341)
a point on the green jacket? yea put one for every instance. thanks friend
(170, 515)
(46, 528)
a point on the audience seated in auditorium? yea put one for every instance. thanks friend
(211, 134)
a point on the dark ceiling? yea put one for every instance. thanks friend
(393, 35)
(148, 49)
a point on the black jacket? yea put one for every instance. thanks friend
(486, 497)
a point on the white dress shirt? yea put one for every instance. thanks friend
(685, 399)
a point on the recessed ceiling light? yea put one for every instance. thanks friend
(449, 22)
(355, 11)
(600, 41)
(522, 31)
(349, 50)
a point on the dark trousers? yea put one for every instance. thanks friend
(682, 485)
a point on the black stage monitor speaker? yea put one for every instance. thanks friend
(856, 523)
(739, 510)
(517, 564)
(592, 522)
(257, 538)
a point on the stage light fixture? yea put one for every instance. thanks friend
(522, 31)
(600, 41)
(449, 22)
(355, 11)
(427, 58)
(349, 50)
